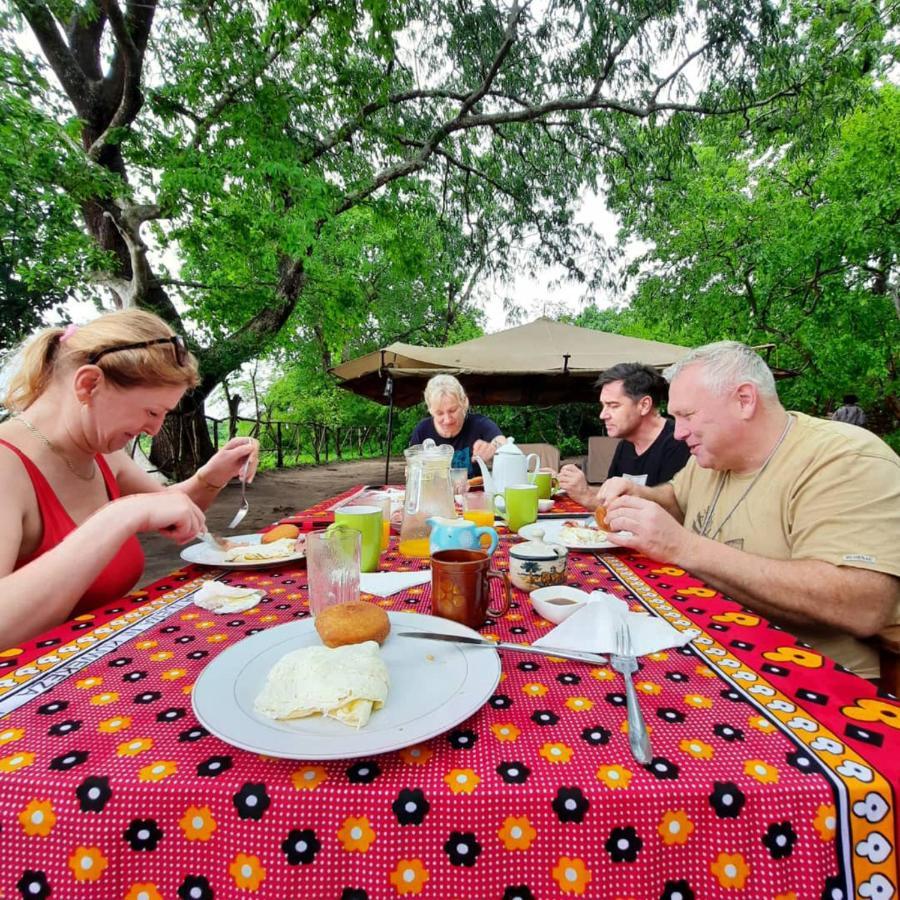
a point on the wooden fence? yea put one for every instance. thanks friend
(288, 441)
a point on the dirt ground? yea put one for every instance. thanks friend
(273, 494)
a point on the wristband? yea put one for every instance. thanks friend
(207, 484)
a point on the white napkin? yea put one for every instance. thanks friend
(383, 584)
(593, 628)
(224, 599)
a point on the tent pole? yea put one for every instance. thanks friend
(389, 393)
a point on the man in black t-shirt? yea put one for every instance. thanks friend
(630, 396)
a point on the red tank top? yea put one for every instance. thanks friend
(121, 572)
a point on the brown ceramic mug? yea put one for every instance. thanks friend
(461, 586)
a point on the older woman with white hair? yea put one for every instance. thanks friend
(451, 422)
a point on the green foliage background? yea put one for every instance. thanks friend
(302, 183)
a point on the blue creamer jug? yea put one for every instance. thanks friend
(453, 534)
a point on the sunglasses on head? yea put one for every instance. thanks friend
(176, 340)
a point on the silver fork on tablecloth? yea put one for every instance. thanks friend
(623, 661)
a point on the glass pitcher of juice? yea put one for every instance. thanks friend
(428, 493)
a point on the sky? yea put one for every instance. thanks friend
(547, 293)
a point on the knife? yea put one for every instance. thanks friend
(593, 659)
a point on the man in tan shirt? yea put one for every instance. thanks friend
(795, 517)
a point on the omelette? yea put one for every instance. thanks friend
(572, 533)
(252, 552)
(344, 683)
(225, 599)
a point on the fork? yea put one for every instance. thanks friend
(623, 661)
(213, 540)
(244, 508)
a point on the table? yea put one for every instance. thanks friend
(774, 775)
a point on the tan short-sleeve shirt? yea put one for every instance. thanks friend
(831, 492)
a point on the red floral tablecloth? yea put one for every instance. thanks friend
(773, 775)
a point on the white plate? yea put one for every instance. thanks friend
(204, 555)
(434, 686)
(552, 529)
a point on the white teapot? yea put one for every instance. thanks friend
(511, 466)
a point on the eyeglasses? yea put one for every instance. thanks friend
(176, 340)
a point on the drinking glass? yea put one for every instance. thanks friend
(332, 566)
(459, 478)
(478, 508)
(385, 504)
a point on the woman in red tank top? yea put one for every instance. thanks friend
(74, 500)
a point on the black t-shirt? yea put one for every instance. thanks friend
(475, 428)
(659, 462)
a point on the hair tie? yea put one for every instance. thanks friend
(68, 331)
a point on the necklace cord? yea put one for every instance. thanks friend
(712, 507)
(53, 448)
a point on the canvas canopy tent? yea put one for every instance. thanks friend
(543, 362)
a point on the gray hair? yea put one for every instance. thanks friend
(445, 386)
(725, 365)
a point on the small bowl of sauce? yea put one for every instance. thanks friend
(558, 602)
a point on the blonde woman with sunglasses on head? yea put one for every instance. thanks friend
(74, 500)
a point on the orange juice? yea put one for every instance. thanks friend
(481, 517)
(417, 547)
(385, 533)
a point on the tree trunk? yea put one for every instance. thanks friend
(234, 405)
(183, 443)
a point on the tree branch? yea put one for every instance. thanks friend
(128, 59)
(229, 97)
(459, 164)
(414, 164)
(199, 285)
(128, 223)
(78, 88)
(615, 53)
(682, 66)
(344, 132)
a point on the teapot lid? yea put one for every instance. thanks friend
(538, 548)
(509, 449)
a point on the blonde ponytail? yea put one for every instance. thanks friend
(58, 350)
(35, 360)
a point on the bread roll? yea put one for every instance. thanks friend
(352, 623)
(279, 532)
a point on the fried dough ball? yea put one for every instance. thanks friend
(352, 623)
